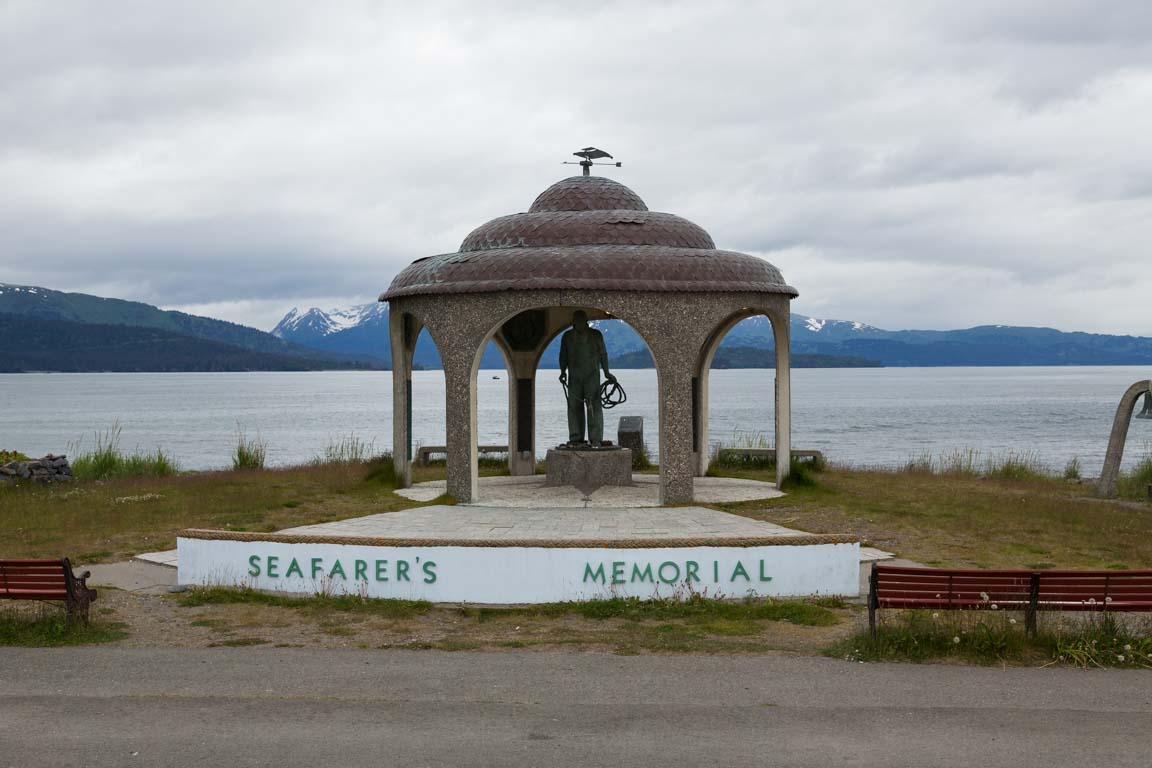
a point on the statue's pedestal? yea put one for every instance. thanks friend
(589, 469)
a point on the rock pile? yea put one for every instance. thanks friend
(44, 470)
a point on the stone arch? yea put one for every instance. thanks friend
(523, 337)
(675, 326)
(782, 387)
(1111, 470)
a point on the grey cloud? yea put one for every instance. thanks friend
(229, 154)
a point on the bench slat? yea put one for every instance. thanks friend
(29, 562)
(28, 580)
(34, 594)
(30, 569)
(968, 585)
(973, 589)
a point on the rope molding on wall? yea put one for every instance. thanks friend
(376, 541)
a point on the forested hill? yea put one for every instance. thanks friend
(80, 308)
(39, 344)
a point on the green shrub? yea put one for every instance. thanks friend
(107, 460)
(7, 456)
(249, 451)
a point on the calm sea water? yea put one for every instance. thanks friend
(877, 416)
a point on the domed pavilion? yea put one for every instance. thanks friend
(587, 242)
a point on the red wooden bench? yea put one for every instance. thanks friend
(47, 580)
(1007, 590)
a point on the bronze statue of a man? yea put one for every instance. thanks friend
(583, 354)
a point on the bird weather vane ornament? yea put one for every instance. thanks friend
(590, 154)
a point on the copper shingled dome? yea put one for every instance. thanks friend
(588, 232)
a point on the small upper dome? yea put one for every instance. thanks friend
(590, 233)
(587, 193)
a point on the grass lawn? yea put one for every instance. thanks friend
(934, 519)
(963, 521)
(113, 519)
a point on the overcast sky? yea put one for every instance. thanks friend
(906, 164)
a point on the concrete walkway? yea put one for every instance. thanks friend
(283, 707)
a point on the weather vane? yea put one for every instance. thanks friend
(589, 154)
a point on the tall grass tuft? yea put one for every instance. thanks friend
(1072, 469)
(382, 471)
(250, 452)
(750, 440)
(1025, 465)
(107, 460)
(920, 464)
(346, 449)
(641, 459)
(1134, 483)
(961, 462)
(966, 462)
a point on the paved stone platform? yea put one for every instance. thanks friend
(476, 523)
(530, 491)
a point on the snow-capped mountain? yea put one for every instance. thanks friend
(363, 329)
(315, 323)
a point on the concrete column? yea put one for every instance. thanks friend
(521, 412)
(781, 333)
(1108, 475)
(676, 465)
(460, 420)
(700, 455)
(401, 394)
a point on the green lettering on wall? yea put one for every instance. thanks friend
(361, 570)
(254, 565)
(272, 560)
(739, 571)
(317, 566)
(337, 569)
(294, 566)
(430, 572)
(594, 575)
(642, 575)
(618, 572)
(716, 571)
(675, 572)
(764, 576)
(690, 571)
(381, 570)
(402, 570)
